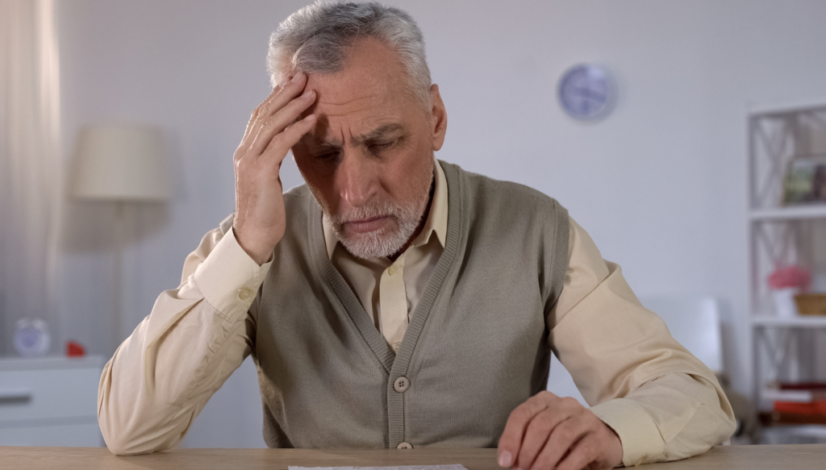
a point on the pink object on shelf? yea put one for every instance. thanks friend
(790, 276)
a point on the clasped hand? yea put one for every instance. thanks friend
(550, 432)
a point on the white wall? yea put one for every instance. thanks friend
(660, 184)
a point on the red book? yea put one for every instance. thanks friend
(817, 407)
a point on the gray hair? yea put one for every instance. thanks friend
(316, 39)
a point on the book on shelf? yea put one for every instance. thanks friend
(817, 407)
(813, 386)
(779, 418)
(798, 392)
(797, 403)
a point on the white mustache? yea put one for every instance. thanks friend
(368, 211)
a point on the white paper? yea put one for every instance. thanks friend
(402, 467)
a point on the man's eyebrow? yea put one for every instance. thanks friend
(377, 133)
(374, 134)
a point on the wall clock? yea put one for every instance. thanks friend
(587, 92)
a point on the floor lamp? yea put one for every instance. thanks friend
(124, 164)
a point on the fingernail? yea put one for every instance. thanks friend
(505, 459)
(295, 77)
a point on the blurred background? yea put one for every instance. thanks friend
(680, 184)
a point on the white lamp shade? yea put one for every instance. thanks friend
(121, 163)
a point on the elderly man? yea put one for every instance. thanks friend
(399, 301)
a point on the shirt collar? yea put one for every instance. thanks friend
(436, 220)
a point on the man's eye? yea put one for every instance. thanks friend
(325, 157)
(377, 147)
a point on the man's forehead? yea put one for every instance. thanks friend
(354, 95)
(366, 98)
(372, 71)
(356, 80)
(353, 115)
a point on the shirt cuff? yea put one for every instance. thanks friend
(229, 278)
(640, 437)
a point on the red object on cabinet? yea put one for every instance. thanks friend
(74, 349)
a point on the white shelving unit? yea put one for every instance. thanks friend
(783, 348)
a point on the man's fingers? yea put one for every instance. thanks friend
(580, 455)
(282, 94)
(536, 435)
(281, 143)
(511, 440)
(256, 111)
(563, 437)
(278, 122)
(264, 104)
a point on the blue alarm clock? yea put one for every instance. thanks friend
(587, 92)
(31, 337)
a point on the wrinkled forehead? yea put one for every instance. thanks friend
(369, 92)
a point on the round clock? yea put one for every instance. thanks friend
(587, 92)
(31, 338)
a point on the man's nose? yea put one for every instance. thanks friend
(356, 178)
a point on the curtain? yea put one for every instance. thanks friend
(30, 167)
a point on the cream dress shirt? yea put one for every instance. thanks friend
(663, 406)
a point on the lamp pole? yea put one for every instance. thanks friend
(124, 164)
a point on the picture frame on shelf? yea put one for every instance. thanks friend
(805, 180)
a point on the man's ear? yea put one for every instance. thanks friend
(438, 118)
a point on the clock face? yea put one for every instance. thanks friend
(586, 92)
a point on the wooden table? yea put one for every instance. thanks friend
(791, 457)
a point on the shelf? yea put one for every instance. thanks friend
(799, 322)
(812, 211)
(759, 111)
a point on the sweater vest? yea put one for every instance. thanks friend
(477, 344)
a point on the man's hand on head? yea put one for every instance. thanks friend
(550, 432)
(260, 216)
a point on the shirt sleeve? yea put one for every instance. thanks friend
(663, 403)
(162, 376)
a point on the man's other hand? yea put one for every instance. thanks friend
(260, 216)
(549, 432)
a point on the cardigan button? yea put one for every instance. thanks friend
(404, 445)
(401, 384)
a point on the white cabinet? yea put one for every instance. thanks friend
(49, 401)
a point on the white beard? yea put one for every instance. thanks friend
(389, 240)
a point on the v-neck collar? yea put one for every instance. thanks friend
(393, 363)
